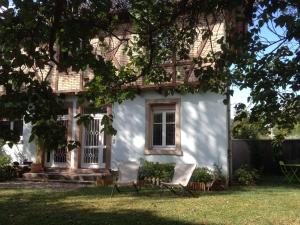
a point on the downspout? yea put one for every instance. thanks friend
(229, 142)
(228, 105)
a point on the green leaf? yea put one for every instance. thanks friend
(31, 138)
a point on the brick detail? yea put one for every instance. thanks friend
(115, 51)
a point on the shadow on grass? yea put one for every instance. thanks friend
(40, 209)
(87, 205)
(266, 184)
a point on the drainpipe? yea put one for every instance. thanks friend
(228, 24)
(229, 143)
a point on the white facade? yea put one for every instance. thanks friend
(203, 130)
(23, 150)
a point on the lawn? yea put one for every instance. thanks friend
(266, 203)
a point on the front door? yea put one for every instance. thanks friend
(92, 149)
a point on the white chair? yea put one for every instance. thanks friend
(181, 178)
(127, 176)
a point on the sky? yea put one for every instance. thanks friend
(239, 96)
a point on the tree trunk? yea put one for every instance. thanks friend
(37, 167)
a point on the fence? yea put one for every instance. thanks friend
(260, 154)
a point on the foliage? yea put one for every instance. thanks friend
(8, 137)
(246, 175)
(45, 130)
(287, 133)
(30, 32)
(202, 174)
(295, 133)
(163, 171)
(5, 160)
(244, 128)
(7, 171)
(38, 37)
(218, 174)
(270, 64)
(2, 142)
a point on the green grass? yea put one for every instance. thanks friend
(271, 202)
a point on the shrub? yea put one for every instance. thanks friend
(202, 174)
(246, 175)
(218, 174)
(163, 171)
(220, 180)
(5, 160)
(7, 171)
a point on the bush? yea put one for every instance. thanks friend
(163, 171)
(5, 160)
(7, 171)
(246, 175)
(218, 174)
(202, 174)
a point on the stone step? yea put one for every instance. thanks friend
(57, 181)
(64, 176)
(78, 171)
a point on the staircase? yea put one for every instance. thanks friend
(85, 176)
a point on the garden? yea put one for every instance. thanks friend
(269, 202)
(253, 199)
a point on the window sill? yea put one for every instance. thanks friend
(163, 151)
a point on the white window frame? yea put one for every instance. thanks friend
(164, 128)
(154, 106)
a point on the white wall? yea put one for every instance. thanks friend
(15, 152)
(203, 130)
(28, 148)
(23, 150)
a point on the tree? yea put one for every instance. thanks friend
(39, 36)
(270, 64)
(243, 128)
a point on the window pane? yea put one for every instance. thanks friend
(157, 134)
(170, 117)
(4, 125)
(170, 134)
(18, 127)
(64, 111)
(157, 118)
(92, 110)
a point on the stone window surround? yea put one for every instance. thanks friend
(162, 104)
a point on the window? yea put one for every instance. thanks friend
(60, 154)
(163, 127)
(65, 120)
(163, 131)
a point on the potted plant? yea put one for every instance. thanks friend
(202, 179)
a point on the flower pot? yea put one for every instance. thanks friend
(105, 180)
(197, 186)
(36, 168)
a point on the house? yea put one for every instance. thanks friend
(190, 128)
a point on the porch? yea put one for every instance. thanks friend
(66, 175)
(93, 156)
